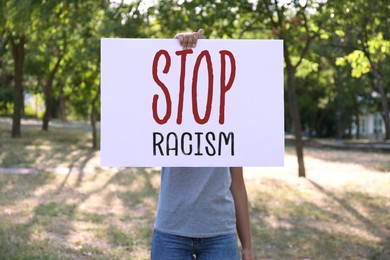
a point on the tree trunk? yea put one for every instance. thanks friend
(357, 117)
(62, 105)
(296, 120)
(385, 104)
(378, 83)
(319, 121)
(48, 94)
(350, 128)
(338, 110)
(344, 123)
(18, 53)
(93, 121)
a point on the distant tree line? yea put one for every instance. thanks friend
(336, 54)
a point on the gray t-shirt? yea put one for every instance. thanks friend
(195, 202)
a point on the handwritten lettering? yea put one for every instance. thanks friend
(225, 85)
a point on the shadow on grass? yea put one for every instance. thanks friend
(372, 160)
(17, 187)
(143, 189)
(45, 149)
(43, 230)
(361, 199)
(19, 240)
(289, 224)
(16, 243)
(78, 163)
(59, 213)
(139, 197)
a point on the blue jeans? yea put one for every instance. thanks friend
(170, 247)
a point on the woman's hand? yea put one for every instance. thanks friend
(188, 40)
(247, 254)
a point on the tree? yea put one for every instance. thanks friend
(216, 18)
(82, 63)
(364, 26)
(6, 78)
(49, 48)
(293, 23)
(16, 19)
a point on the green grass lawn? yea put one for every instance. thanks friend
(67, 207)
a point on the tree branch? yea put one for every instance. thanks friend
(248, 28)
(270, 15)
(307, 43)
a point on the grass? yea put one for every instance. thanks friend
(70, 208)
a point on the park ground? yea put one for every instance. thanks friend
(56, 202)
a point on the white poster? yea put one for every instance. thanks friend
(219, 104)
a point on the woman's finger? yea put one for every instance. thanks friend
(186, 41)
(199, 33)
(189, 39)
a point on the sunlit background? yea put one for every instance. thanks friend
(57, 202)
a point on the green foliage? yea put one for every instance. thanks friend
(322, 39)
(306, 68)
(359, 63)
(5, 97)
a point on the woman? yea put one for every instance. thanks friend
(200, 209)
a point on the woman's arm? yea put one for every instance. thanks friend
(242, 212)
